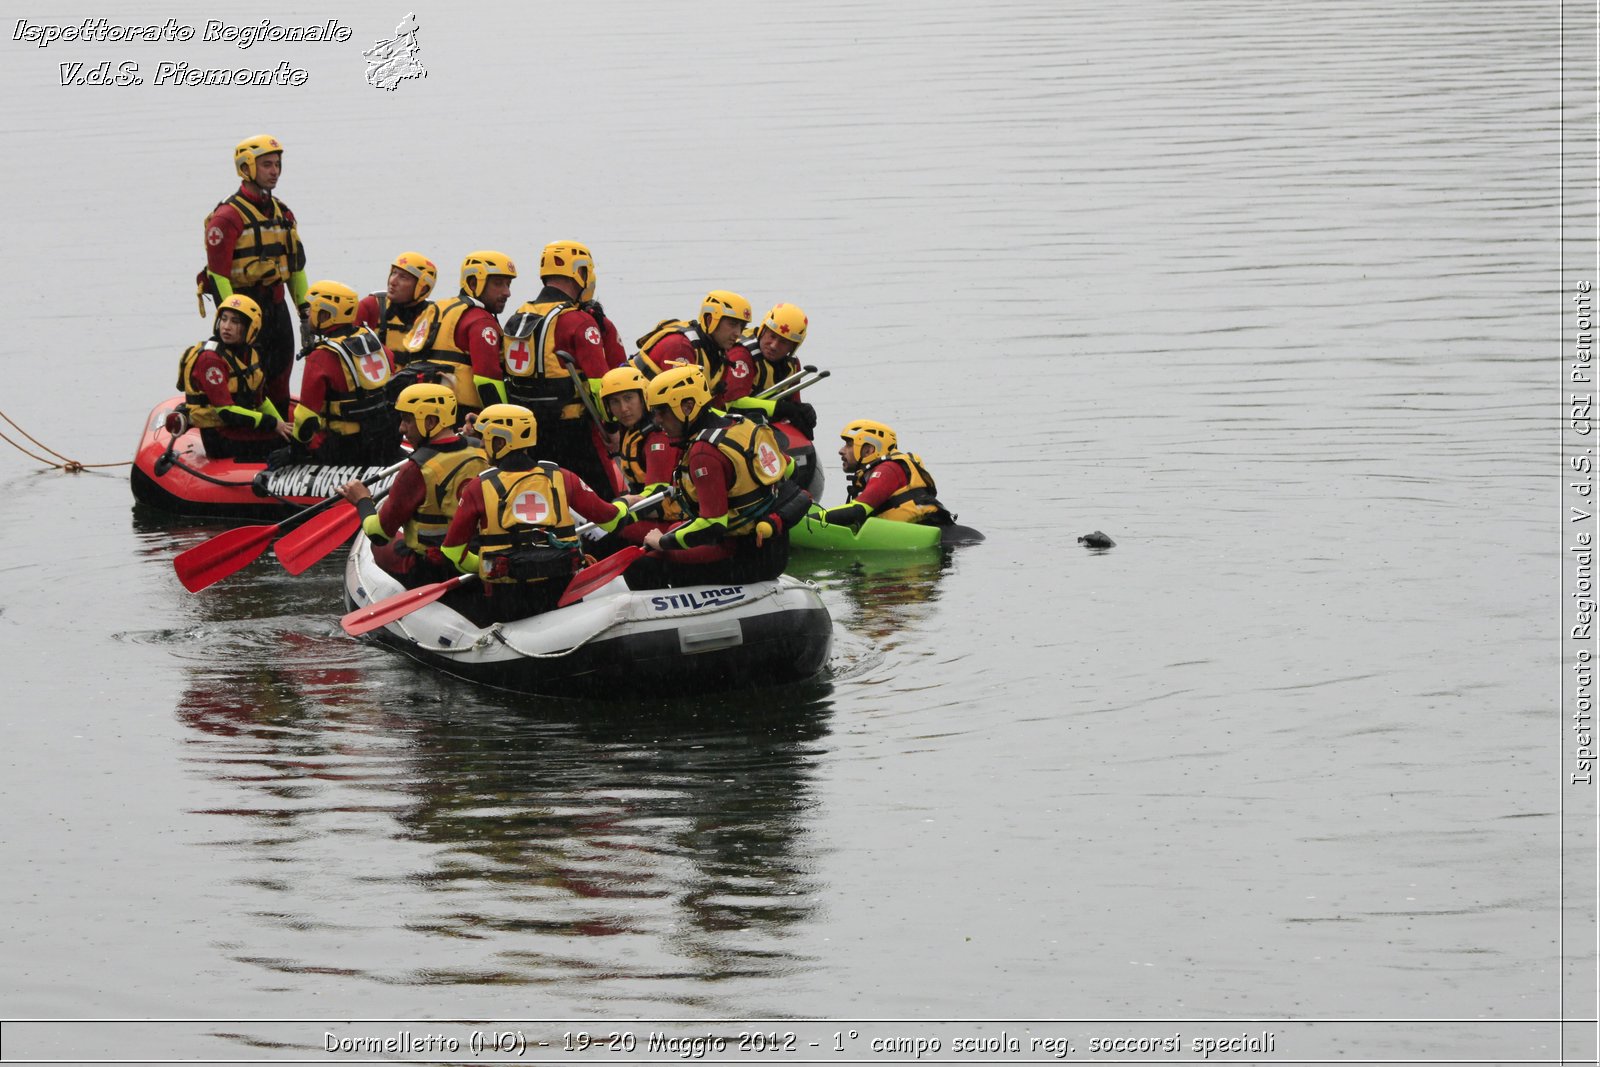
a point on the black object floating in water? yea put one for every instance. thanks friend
(1096, 540)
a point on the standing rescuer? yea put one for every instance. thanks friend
(253, 249)
(423, 498)
(733, 481)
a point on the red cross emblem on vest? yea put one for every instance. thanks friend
(518, 358)
(531, 508)
(372, 365)
(768, 460)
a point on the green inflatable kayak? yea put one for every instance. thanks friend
(876, 535)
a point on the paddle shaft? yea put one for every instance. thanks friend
(766, 394)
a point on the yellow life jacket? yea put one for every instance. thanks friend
(267, 251)
(758, 466)
(527, 521)
(915, 502)
(362, 402)
(536, 377)
(707, 356)
(445, 468)
(246, 381)
(395, 322)
(433, 339)
(632, 454)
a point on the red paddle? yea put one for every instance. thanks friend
(593, 577)
(231, 551)
(298, 549)
(381, 614)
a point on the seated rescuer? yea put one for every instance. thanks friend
(224, 387)
(733, 481)
(764, 357)
(521, 512)
(343, 413)
(646, 456)
(460, 337)
(553, 357)
(702, 343)
(393, 312)
(423, 498)
(885, 481)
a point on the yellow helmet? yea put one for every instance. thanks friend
(788, 322)
(246, 307)
(419, 267)
(428, 398)
(676, 384)
(864, 431)
(247, 151)
(506, 428)
(623, 379)
(569, 259)
(721, 304)
(479, 267)
(330, 304)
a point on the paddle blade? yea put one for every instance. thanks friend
(591, 578)
(376, 616)
(227, 553)
(298, 549)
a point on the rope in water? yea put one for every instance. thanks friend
(71, 466)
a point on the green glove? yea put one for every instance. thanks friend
(851, 515)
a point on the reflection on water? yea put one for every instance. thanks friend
(462, 836)
(890, 594)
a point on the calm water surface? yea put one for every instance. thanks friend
(1263, 293)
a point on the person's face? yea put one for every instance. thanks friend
(671, 422)
(402, 287)
(775, 349)
(496, 291)
(409, 430)
(268, 169)
(626, 408)
(847, 457)
(727, 332)
(231, 327)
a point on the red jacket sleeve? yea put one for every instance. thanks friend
(579, 336)
(616, 354)
(737, 374)
(584, 500)
(223, 227)
(406, 494)
(469, 513)
(478, 335)
(660, 458)
(674, 347)
(367, 313)
(314, 383)
(711, 473)
(210, 375)
(884, 481)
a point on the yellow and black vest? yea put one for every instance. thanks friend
(707, 356)
(536, 377)
(362, 402)
(911, 504)
(764, 375)
(246, 380)
(395, 322)
(433, 340)
(445, 468)
(527, 521)
(268, 249)
(758, 466)
(631, 453)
